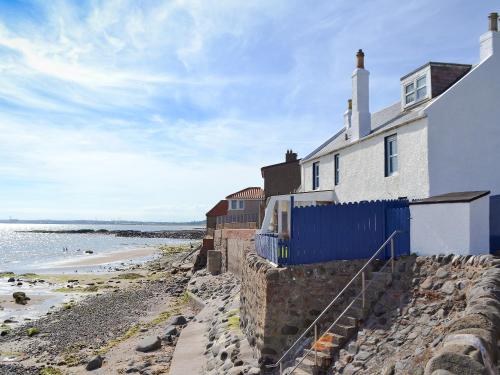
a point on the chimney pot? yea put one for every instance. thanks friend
(360, 59)
(290, 156)
(493, 17)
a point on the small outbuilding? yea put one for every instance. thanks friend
(453, 223)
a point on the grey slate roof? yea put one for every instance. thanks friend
(458, 197)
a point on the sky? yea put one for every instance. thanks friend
(155, 110)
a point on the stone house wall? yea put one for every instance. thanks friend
(278, 304)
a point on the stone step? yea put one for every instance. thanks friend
(328, 348)
(324, 360)
(306, 364)
(299, 371)
(346, 331)
(348, 320)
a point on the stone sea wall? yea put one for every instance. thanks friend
(234, 245)
(470, 341)
(277, 304)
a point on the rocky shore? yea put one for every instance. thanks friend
(193, 234)
(126, 324)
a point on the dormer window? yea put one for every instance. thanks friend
(416, 90)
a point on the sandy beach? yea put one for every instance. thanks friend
(87, 314)
(126, 255)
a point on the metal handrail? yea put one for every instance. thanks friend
(363, 289)
(279, 362)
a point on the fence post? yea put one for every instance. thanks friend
(392, 254)
(363, 282)
(315, 341)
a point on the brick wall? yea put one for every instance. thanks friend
(234, 245)
(281, 178)
(442, 77)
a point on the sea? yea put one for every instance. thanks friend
(25, 252)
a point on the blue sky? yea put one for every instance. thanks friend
(155, 110)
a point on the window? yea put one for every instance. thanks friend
(315, 176)
(237, 205)
(416, 90)
(391, 155)
(337, 168)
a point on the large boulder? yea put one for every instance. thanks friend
(471, 321)
(177, 320)
(94, 364)
(456, 364)
(149, 344)
(20, 298)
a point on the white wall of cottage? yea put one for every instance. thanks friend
(362, 167)
(464, 132)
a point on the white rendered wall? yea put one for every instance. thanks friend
(464, 133)
(451, 228)
(362, 168)
(480, 226)
(440, 229)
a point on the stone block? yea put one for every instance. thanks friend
(214, 262)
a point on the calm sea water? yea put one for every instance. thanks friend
(34, 252)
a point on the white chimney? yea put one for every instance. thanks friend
(490, 41)
(347, 115)
(360, 118)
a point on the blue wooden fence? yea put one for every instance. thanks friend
(340, 231)
(271, 247)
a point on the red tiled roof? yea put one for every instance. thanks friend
(220, 209)
(251, 193)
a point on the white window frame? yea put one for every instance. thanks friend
(238, 204)
(413, 80)
(315, 175)
(391, 168)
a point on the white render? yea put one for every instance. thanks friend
(464, 133)
(362, 168)
(490, 44)
(360, 116)
(432, 231)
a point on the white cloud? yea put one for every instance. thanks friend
(155, 110)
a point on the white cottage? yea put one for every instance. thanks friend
(441, 136)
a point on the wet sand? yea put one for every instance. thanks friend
(102, 259)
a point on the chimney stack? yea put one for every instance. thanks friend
(290, 156)
(360, 57)
(490, 41)
(360, 117)
(493, 21)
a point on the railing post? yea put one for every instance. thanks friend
(363, 281)
(315, 341)
(281, 368)
(392, 255)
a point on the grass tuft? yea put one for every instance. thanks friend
(129, 276)
(50, 371)
(32, 331)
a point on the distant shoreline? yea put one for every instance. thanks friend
(102, 222)
(190, 234)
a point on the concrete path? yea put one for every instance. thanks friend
(188, 358)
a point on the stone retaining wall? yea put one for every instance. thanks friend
(234, 245)
(277, 304)
(470, 342)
